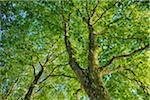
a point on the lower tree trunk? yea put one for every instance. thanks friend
(97, 93)
(95, 88)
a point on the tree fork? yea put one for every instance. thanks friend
(91, 82)
(95, 88)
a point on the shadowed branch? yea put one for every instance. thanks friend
(72, 60)
(125, 55)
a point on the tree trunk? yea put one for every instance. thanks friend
(94, 87)
(88, 78)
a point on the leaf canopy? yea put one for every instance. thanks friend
(31, 30)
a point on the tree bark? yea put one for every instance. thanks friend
(95, 88)
(92, 84)
(88, 78)
(36, 78)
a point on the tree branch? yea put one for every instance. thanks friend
(72, 60)
(125, 55)
(33, 69)
(93, 49)
(120, 69)
(57, 75)
(34, 82)
(83, 17)
(114, 21)
(11, 89)
(104, 13)
(42, 88)
(47, 58)
(94, 9)
(63, 75)
(106, 71)
(48, 75)
(139, 82)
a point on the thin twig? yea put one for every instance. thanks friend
(83, 17)
(94, 9)
(41, 64)
(139, 82)
(86, 7)
(48, 55)
(63, 75)
(104, 13)
(48, 75)
(11, 89)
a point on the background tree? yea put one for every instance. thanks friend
(73, 49)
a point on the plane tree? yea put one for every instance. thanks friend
(74, 49)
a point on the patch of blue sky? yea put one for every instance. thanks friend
(23, 13)
(11, 18)
(3, 16)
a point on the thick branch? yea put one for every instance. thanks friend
(93, 49)
(33, 69)
(36, 78)
(72, 60)
(125, 55)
